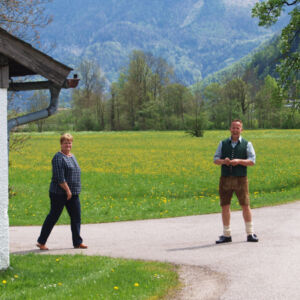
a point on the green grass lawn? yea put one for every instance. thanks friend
(84, 277)
(140, 175)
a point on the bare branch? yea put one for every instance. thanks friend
(289, 4)
(22, 17)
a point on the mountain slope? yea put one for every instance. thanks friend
(196, 37)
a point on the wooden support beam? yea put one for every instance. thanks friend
(4, 72)
(30, 86)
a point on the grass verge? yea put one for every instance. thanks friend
(85, 277)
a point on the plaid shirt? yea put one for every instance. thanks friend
(65, 169)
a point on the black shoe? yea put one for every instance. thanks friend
(224, 239)
(252, 238)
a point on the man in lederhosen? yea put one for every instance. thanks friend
(234, 155)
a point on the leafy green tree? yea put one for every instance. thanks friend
(214, 96)
(39, 101)
(138, 99)
(269, 104)
(176, 103)
(268, 13)
(162, 73)
(234, 100)
(117, 106)
(113, 100)
(88, 101)
(239, 93)
(253, 83)
(137, 88)
(195, 126)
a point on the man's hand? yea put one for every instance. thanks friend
(242, 162)
(235, 162)
(227, 161)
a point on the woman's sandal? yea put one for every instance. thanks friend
(42, 247)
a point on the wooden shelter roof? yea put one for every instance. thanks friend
(23, 59)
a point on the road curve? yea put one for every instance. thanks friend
(269, 269)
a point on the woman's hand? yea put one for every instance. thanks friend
(69, 195)
(65, 186)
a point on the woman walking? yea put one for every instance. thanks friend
(64, 191)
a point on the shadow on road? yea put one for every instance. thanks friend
(40, 251)
(204, 246)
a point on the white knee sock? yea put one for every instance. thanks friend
(227, 231)
(249, 228)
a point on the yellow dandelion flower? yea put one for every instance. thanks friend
(4, 281)
(60, 284)
(136, 284)
(57, 259)
(116, 288)
(16, 276)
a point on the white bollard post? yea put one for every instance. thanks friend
(4, 224)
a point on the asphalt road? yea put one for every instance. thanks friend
(269, 269)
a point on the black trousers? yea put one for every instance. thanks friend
(58, 202)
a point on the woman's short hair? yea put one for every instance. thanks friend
(66, 137)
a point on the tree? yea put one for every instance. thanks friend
(268, 104)
(268, 13)
(162, 73)
(23, 17)
(176, 102)
(39, 101)
(253, 84)
(214, 97)
(137, 88)
(88, 101)
(197, 123)
(116, 104)
(113, 101)
(234, 99)
(138, 98)
(239, 89)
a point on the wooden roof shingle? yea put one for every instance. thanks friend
(23, 59)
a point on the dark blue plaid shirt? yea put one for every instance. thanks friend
(65, 169)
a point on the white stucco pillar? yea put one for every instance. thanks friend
(4, 229)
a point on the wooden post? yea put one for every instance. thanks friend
(4, 229)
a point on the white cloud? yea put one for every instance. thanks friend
(244, 3)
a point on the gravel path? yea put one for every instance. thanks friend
(199, 283)
(269, 269)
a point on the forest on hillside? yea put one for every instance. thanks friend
(148, 97)
(263, 90)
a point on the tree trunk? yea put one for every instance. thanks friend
(112, 113)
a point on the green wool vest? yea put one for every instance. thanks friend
(239, 151)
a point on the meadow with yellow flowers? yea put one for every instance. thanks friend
(141, 175)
